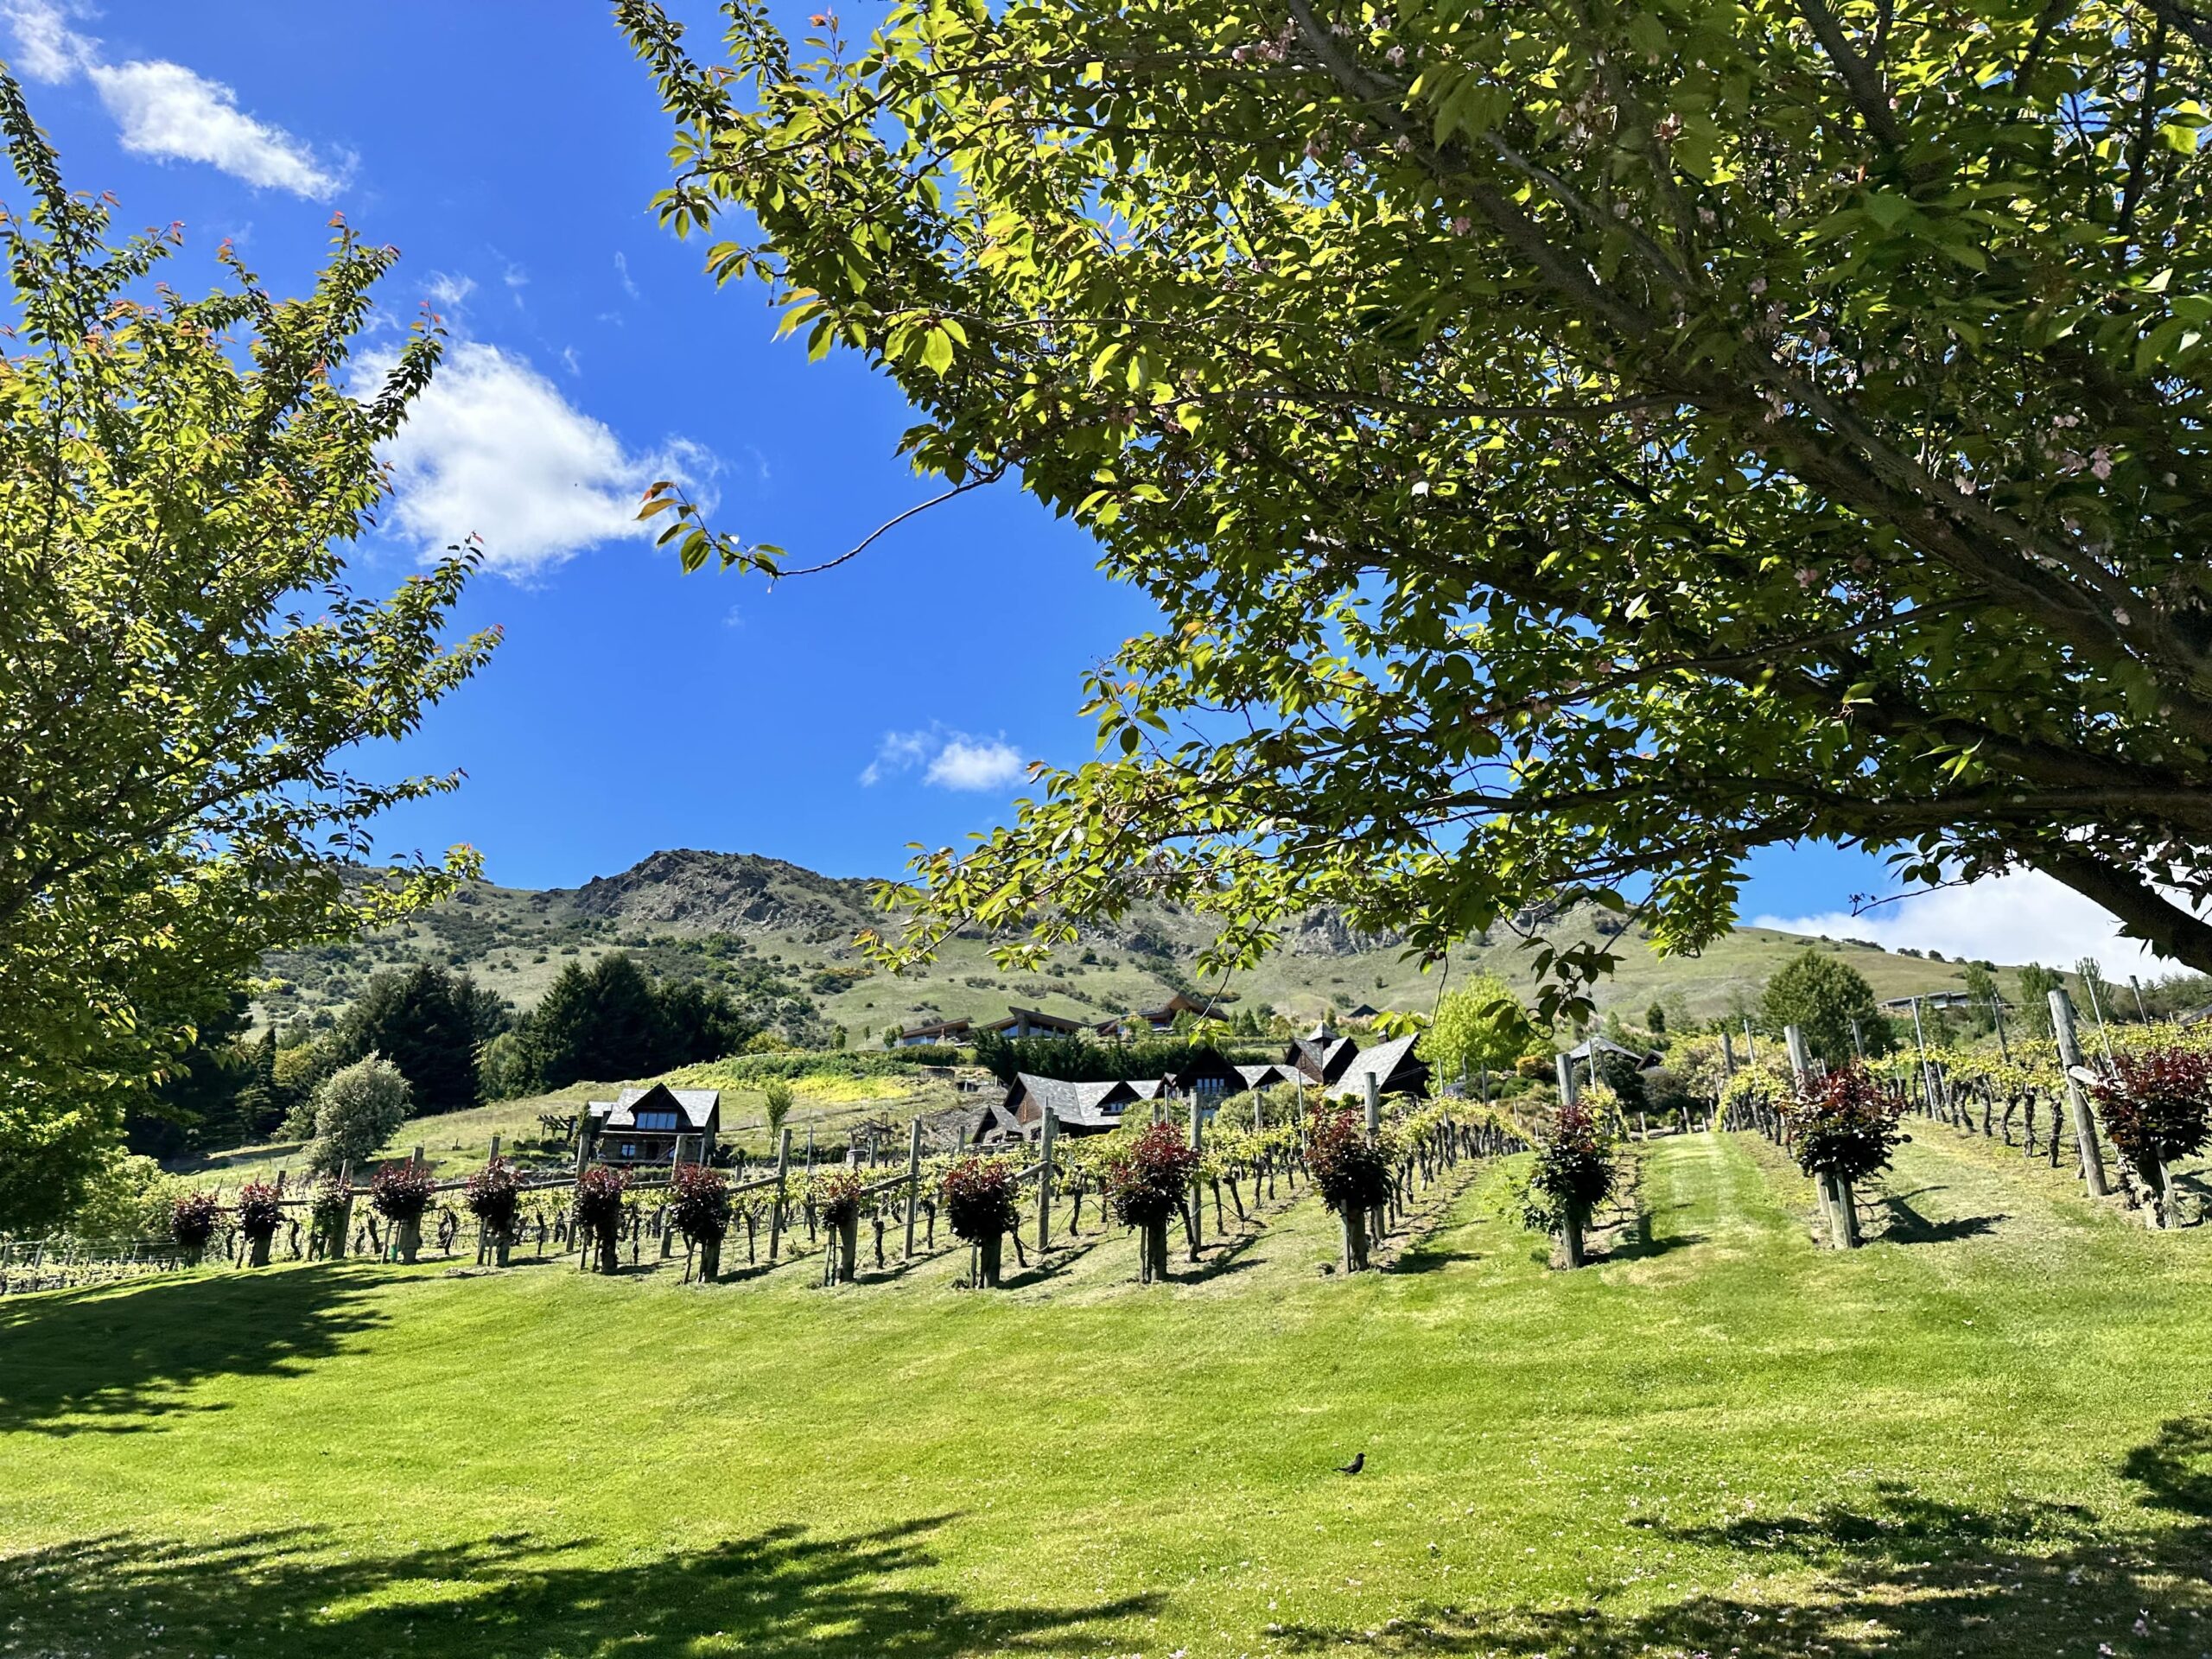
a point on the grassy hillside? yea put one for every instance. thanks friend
(783, 934)
(1985, 1434)
(456, 1143)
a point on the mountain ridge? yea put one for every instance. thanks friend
(751, 920)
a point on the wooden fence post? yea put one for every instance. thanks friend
(1198, 1204)
(1045, 1137)
(1728, 1054)
(1570, 1231)
(776, 1204)
(1378, 1219)
(913, 1181)
(2077, 1101)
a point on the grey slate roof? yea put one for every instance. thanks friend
(698, 1107)
(1392, 1064)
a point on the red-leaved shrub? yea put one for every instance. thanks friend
(699, 1202)
(1145, 1178)
(1353, 1172)
(2157, 1107)
(193, 1220)
(979, 1198)
(260, 1209)
(494, 1197)
(401, 1191)
(1844, 1124)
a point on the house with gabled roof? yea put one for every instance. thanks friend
(1079, 1107)
(651, 1125)
(954, 1032)
(1394, 1066)
(1321, 1055)
(1163, 1018)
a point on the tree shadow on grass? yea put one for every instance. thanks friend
(784, 1591)
(1894, 1574)
(117, 1361)
(1903, 1225)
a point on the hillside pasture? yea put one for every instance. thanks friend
(457, 1143)
(1986, 1433)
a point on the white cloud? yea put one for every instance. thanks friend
(47, 48)
(165, 110)
(622, 269)
(949, 759)
(962, 764)
(2022, 916)
(493, 449)
(450, 294)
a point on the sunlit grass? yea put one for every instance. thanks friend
(1989, 1434)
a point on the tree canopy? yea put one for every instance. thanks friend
(186, 673)
(1478, 1024)
(1570, 446)
(1821, 994)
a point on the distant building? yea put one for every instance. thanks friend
(1079, 1107)
(1152, 1022)
(1271, 1074)
(1320, 1055)
(1950, 1001)
(655, 1125)
(954, 1032)
(1392, 1064)
(1027, 1022)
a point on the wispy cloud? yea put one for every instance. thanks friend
(948, 759)
(2023, 917)
(165, 110)
(622, 269)
(493, 449)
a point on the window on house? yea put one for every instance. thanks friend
(629, 1149)
(656, 1120)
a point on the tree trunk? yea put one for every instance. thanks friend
(256, 1249)
(987, 1253)
(710, 1260)
(608, 1242)
(1570, 1236)
(407, 1239)
(1152, 1252)
(848, 1248)
(1355, 1221)
(500, 1247)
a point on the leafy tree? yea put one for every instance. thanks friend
(699, 1023)
(776, 1101)
(2037, 983)
(356, 1110)
(1480, 1024)
(425, 1021)
(198, 1103)
(1654, 1018)
(1573, 446)
(185, 670)
(1982, 987)
(1821, 994)
(2096, 990)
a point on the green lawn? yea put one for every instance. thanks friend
(1989, 1432)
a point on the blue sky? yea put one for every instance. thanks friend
(510, 149)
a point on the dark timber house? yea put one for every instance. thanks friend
(1080, 1108)
(656, 1125)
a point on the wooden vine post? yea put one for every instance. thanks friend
(2078, 1099)
(1839, 1210)
(1047, 1134)
(913, 1181)
(1378, 1218)
(776, 1202)
(1570, 1216)
(1195, 1212)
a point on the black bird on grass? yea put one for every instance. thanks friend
(1359, 1463)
